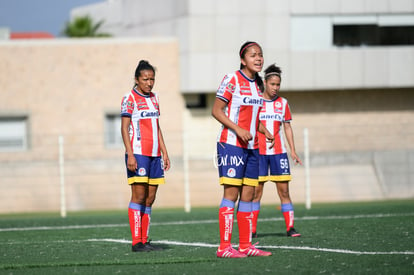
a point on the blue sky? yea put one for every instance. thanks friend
(38, 15)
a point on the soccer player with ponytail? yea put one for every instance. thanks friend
(274, 162)
(146, 155)
(237, 106)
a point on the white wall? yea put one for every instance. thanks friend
(296, 34)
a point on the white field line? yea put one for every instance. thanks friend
(343, 251)
(202, 222)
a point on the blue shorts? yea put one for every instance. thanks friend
(150, 170)
(274, 168)
(236, 165)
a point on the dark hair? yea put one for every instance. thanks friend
(143, 65)
(273, 70)
(242, 53)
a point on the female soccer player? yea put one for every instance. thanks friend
(144, 146)
(273, 115)
(237, 105)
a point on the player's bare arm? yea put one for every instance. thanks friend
(289, 137)
(131, 161)
(164, 152)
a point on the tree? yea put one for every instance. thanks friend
(83, 26)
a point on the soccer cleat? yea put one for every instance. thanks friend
(252, 251)
(292, 233)
(149, 246)
(254, 235)
(229, 252)
(140, 247)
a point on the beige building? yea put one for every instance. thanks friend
(356, 101)
(73, 89)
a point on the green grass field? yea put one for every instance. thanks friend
(346, 238)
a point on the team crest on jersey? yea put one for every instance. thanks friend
(154, 101)
(231, 172)
(230, 87)
(142, 171)
(278, 105)
(223, 85)
(128, 106)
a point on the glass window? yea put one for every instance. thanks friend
(372, 35)
(113, 137)
(13, 133)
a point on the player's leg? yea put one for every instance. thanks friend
(231, 180)
(287, 208)
(244, 213)
(135, 211)
(244, 216)
(258, 193)
(244, 221)
(156, 177)
(146, 215)
(280, 173)
(226, 218)
(226, 214)
(138, 180)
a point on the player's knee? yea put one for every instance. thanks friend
(257, 196)
(150, 200)
(284, 194)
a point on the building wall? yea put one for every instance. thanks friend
(360, 140)
(66, 87)
(356, 103)
(296, 34)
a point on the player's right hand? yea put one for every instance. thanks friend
(244, 135)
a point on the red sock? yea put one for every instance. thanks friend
(226, 216)
(244, 221)
(289, 219)
(135, 225)
(146, 220)
(254, 220)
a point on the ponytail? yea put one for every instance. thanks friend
(259, 82)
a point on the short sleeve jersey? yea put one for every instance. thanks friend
(244, 101)
(144, 112)
(272, 116)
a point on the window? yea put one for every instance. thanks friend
(195, 101)
(317, 32)
(113, 137)
(372, 35)
(13, 133)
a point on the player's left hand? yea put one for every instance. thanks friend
(167, 164)
(296, 159)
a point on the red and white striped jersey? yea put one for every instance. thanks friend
(272, 115)
(244, 102)
(144, 112)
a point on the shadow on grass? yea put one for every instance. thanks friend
(261, 235)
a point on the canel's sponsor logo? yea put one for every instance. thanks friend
(277, 117)
(252, 101)
(148, 114)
